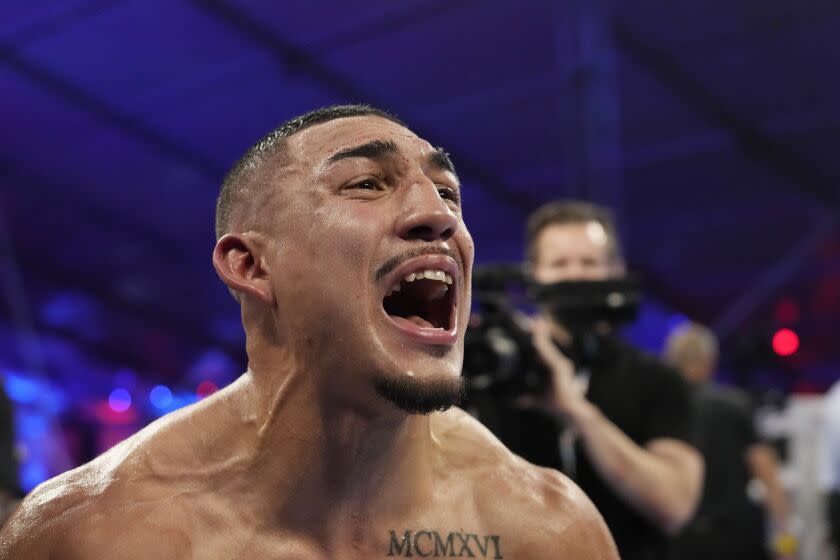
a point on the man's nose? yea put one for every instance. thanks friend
(426, 216)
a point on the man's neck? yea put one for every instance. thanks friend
(312, 457)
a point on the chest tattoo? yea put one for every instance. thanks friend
(434, 544)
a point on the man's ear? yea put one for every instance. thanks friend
(238, 260)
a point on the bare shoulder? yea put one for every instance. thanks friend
(100, 509)
(87, 513)
(554, 518)
(539, 512)
(34, 528)
(55, 516)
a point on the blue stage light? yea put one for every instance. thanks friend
(119, 400)
(32, 474)
(160, 397)
(20, 388)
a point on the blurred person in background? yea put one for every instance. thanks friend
(10, 492)
(341, 236)
(621, 427)
(728, 524)
(830, 464)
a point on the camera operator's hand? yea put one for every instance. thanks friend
(567, 393)
(662, 478)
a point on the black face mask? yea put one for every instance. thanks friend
(581, 305)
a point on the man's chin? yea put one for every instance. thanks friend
(417, 395)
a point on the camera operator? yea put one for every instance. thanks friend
(617, 421)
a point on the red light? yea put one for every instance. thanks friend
(785, 342)
(107, 415)
(206, 388)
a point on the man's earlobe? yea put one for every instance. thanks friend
(239, 262)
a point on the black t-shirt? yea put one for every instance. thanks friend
(727, 524)
(726, 430)
(8, 463)
(645, 398)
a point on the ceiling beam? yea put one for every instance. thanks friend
(754, 142)
(773, 278)
(100, 110)
(57, 22)
(800, 174)
(306, 62)
(390, 23)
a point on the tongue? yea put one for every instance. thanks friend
(420, 322)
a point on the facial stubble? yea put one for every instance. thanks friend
(418, 395)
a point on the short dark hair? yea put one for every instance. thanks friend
(241, 178)
(563, 212)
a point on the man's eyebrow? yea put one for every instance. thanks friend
(370, 150)
(440, 159)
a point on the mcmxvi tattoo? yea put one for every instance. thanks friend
(431, 544)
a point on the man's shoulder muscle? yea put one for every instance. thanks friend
(543, 512)
(556, 519)
(47, 516)
(94, 503)
(78, 516)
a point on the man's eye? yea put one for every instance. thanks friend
(449, 194)
(367, 184)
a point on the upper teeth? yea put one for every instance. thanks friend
(430, 274)
(439, 275)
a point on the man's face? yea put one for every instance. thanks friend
(700, 369)
(578, 251)
(371, 260)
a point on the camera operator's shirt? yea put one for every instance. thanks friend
(646, 399)
(726, 524)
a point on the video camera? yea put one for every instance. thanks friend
(499, 357)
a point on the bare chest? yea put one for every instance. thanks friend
(448, 531)
(420, 542)
(455, 526)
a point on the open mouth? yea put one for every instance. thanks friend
(425, 298)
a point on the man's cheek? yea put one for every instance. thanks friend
(354, 233)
